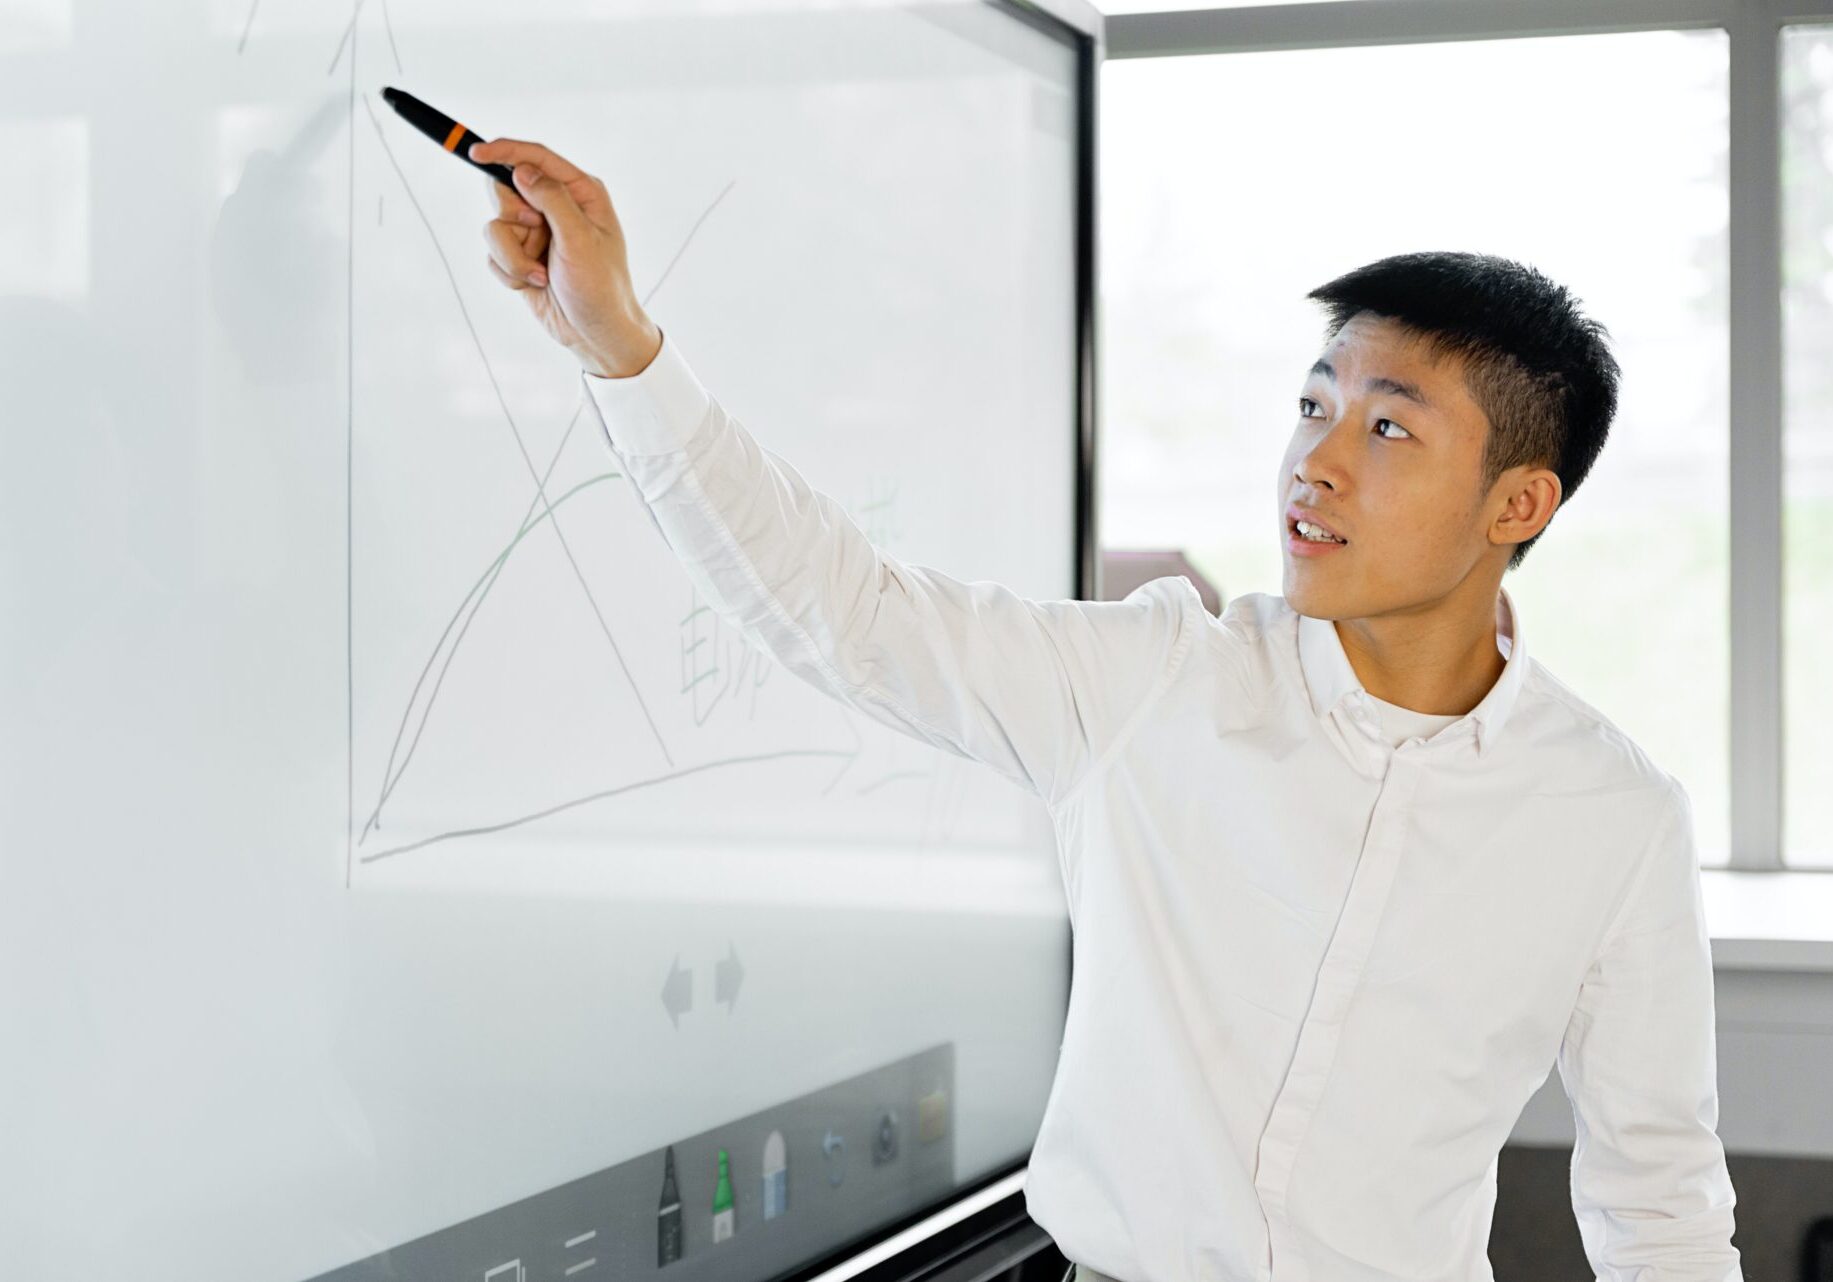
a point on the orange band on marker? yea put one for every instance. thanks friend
(451, 143)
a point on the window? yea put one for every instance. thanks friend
(1233, 183)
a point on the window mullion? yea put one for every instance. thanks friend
(1755, 400)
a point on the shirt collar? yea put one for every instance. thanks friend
(1330, 679)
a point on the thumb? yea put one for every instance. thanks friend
(550, 196)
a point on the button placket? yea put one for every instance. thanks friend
(1338, 975)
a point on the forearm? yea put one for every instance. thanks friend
(1034, 689)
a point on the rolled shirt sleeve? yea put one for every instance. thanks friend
(1040, 691)
(1650, 1189)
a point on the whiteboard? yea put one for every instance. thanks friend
(382, 847)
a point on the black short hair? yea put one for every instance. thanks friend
(1539, 369)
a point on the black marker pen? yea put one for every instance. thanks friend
(445, 131)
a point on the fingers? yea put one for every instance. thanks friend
(586, 191)
(509, 254)
(510, 205)
(513, 152)
(536, 240)
(506, 278)
(555, 200)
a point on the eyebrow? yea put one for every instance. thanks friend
(1409, 390)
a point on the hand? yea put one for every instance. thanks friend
(556, 241)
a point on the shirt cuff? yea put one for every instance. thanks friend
(654, 411)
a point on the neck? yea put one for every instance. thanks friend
(1439, 658)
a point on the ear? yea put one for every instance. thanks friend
(1528, 496)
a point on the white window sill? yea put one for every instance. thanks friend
(1769, 920)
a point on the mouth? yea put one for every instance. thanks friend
(1298, 545)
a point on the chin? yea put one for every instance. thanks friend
(1306, 594)
(1302, 596)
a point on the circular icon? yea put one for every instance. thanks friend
(884, 1144)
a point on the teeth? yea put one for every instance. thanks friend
(1316, 534)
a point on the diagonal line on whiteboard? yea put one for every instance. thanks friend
(487, 580)
(389, 26)
(249, 26)
(474, 599)
(686, 241)
(521, 447)
(349, 30)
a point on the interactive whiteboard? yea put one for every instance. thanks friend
(407, 877)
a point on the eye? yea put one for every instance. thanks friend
(1306, 400)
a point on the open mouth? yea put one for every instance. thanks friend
(1298, 538)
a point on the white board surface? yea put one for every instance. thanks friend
(355, 812)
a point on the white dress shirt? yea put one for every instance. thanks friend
(1317, 971)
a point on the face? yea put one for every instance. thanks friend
(1388, 454)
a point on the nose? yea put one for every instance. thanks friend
(1318, 466)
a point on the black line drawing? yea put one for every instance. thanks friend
(543, 509)
(389, 27)
(521, 446)
(687, 241)
(699, 663)
(705, 657)
(392, 774)
(608, 792)
(349, 38)
(474, 599)
(247, 27)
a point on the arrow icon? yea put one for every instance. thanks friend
(727, 975)
(678, 991)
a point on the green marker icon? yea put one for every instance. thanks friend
(724, 1216)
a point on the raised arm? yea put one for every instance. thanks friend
(1035, 689)
(1650, 1188)
(1040, 691)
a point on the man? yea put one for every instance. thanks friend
(1349, 873)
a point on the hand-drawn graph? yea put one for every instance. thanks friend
(528, 662)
